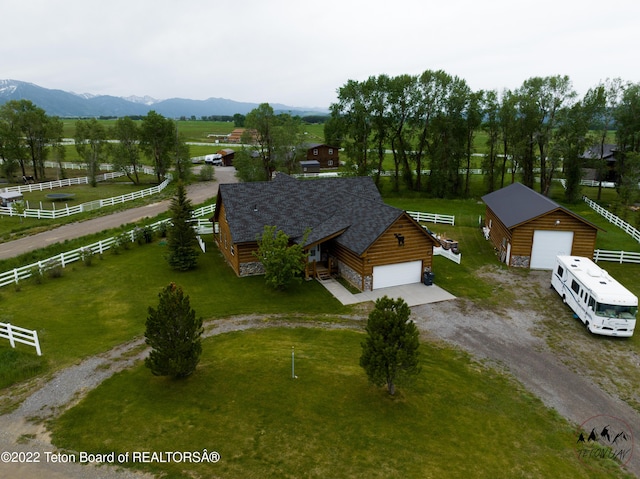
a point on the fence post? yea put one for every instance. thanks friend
(10, 333)
(37, 342)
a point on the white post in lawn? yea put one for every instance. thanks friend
(293, 366)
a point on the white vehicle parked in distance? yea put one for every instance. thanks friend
(602, 303)
(214, 159)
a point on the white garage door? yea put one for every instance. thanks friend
(396, 274)
(547, 245)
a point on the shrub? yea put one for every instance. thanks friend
(86, 255)
(207, 173)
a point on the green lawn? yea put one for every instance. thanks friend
(457, 420)
(106, 303)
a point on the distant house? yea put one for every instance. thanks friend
(529, 230)
(352, 232)
(609, 157)
(326, 155)
(236, 135)
(227, 156)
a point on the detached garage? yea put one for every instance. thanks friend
(529, 230)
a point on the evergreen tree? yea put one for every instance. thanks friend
(173, 332)
(181, 237)
(390, 351)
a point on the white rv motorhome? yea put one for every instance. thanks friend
(602, 304)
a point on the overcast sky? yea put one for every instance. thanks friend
(299, 52)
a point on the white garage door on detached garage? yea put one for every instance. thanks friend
(397, 274)
(547, 245)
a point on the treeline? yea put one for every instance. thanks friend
(29, 138)
(533, 133)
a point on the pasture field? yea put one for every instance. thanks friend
(198, 130)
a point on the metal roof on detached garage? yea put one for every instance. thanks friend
(516, 204)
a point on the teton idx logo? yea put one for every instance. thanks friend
(604, 437)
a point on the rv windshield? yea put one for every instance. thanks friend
(615, 311)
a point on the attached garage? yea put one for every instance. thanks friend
(547, 245)
(397, 274)
(529, 230)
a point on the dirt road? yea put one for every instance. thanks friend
(198, 193)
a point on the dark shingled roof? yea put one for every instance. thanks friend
(516, 204)
(349, 208)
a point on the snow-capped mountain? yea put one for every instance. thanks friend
(66, 104)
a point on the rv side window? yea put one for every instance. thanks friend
(592, 303)
(575, 286)
(560, 271)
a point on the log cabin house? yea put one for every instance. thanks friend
(352, 232)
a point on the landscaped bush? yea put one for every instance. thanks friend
(86, 254)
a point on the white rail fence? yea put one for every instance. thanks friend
(16, 334)
(447, 253)
(432, 218)
(616, 256)
(63, 259)
(626, 227)
(50, 185)
(92, 205)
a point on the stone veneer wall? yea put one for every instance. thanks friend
(251, 269)
(520, 261)
(353, 277)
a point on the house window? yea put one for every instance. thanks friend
(315, 151)
(233, 250)
(330, 162)
(331, 151)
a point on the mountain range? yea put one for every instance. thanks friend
(68, 104)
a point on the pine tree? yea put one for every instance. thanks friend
(390, 351)
(181, 237)
(173, 332)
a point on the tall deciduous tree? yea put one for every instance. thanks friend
(353, 110)
(27, 134)
(390, 351)
(282, 260)
(263, 121)
(158, 138)
(91, 145)
(603, 101)
(182, 161)
(181, 237)
(126, 151)
(491, 126)
(12, 149)
(173, 331)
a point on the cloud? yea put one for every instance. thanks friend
(300, 53)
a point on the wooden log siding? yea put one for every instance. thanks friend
(498, 230)
(584, 235)
(223, 238)
(417, 246)
(521, 236)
